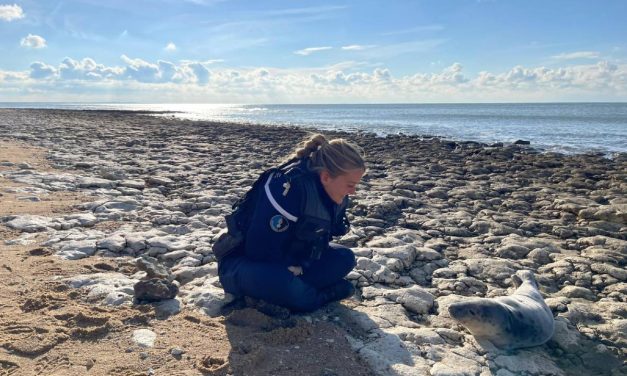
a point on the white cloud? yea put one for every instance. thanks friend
(86, 69)
(356, 47)
(310, 50)
(577, 55)
(33, 41)
(11, 12)
(193, 81)
(202, 74)
(39, 70)
(170, 47)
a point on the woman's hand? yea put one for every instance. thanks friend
(296, 270)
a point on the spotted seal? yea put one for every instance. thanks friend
(519, 320)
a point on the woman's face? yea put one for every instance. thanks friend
(338, 187)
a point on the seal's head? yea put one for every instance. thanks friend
(483, 317)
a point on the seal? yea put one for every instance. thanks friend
(509, 322)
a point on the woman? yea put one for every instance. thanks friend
(286, 258)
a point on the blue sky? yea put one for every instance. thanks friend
(230, 51)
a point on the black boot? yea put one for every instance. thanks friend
(341, 290)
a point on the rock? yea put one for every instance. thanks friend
(152, 290)
(512, 251)
(136, 184)
(87, 182)
(427, 254)
(114, 243)
(528, 362)
(440, 193)
(106, 288)
(540, 256)
(77, 249)
(167, 308)
(600, 359)
(415, 299)
(375, 272)
(153, 269)
(175, 351)
(577, 292)
(616, 272)
(30, 223)
(208, 297)
(453, 364)
(186, 274)
(144, 337)
(169, 242)
(159, 181)
(386, 351)
(83, 219)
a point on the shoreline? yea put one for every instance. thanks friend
(434, 221)
(610, 154)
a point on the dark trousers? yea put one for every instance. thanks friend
(275, 284)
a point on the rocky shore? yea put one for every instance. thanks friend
(433, 222)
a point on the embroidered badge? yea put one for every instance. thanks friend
(279, 223)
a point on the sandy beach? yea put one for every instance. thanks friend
(85, 193)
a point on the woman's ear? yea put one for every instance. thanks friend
(325, 176)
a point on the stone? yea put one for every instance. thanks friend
(209, 297)
(30, 223)
(577, 292)
(512, 251)
(105, 288)
(144, 337)
(155, 289)
(83, 219)
(113, 243)
(528, 362)
(153, 268)
(87, 182)
(77, 249)
(565, 336)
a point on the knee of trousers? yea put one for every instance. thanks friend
(346, 257)
(301, 297)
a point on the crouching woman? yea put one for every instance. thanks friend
(284, 255)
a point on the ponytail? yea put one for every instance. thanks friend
(337, 156)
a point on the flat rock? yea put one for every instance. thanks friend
(30, 223)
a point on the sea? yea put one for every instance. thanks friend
(569, 128)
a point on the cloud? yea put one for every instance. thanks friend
(310, 50)
(11, 12)
(87, 69)
(33, 41)
(141, 70)
(577, 55)
(357, 47)
(192, 81)
(170, 47)
(39, 70)
(201, 73)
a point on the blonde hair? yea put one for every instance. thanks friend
(337, 156)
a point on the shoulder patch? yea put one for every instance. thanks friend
(279, 223)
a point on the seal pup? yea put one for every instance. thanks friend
(509, 322)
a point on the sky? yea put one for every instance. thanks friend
(233, 51)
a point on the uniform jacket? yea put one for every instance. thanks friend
(274, 233)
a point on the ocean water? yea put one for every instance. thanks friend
(561, 127)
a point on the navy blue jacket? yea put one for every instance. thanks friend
(279, 206)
